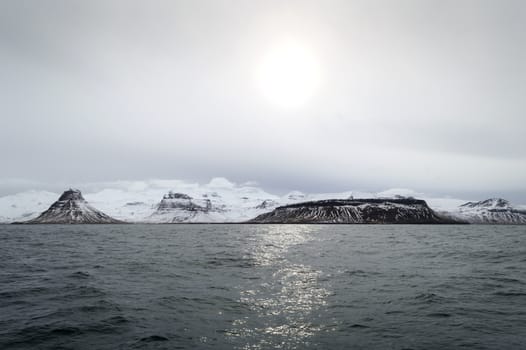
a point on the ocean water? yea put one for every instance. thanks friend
(262, 287)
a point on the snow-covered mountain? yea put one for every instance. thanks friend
(490, 211)
(217, 201)
(140, 201)
(180, 207)
(72, 208)
(209, 207)
(354, 211)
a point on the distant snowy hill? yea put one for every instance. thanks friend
(25, 205)
(490, 211)
(166, 201)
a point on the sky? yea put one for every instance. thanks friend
(292, 95)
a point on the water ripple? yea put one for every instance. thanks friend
(262, 287)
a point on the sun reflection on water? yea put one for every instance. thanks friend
(285, 295)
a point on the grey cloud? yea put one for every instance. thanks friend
(108, 90)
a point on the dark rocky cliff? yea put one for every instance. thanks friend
(355, 211)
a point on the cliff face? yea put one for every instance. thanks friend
(355, 211)
(180, 207)
(72, 208)
(490, 211)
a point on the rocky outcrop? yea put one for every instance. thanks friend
(266, 204)
(180, 207)
(355, 211)
(490, 211)
(72, 208)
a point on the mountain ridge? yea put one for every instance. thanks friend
(222, 201)
(355, 211)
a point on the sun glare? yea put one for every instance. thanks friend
(288, 75)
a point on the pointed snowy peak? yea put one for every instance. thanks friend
(71, 195)
(72, 208)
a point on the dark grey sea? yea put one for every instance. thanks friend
(262, 287)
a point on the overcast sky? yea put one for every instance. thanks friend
(427, 95)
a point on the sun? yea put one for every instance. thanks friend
(288, 75)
